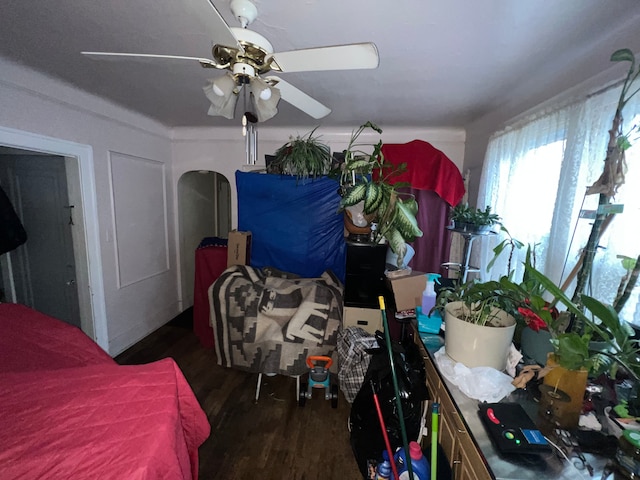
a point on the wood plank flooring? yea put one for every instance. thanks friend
(274, 439)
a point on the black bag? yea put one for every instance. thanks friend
(12, 233)
(367, 440)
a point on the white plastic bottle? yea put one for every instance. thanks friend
(429, 293)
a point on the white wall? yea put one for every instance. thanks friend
(140, 296)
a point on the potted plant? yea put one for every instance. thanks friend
(302, 157)
(364, 183)
(479, 328)
(537, 303)
(473, 220)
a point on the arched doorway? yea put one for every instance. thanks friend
(204, 210)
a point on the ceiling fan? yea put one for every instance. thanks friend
(248, 57)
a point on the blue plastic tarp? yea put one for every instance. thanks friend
(295, 224)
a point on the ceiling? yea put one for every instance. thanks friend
(443, 63)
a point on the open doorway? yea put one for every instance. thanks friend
(204, 210)
(84, 271)
(41, 273)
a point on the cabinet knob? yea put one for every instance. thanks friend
(457, 422)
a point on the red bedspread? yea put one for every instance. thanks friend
(94, 419)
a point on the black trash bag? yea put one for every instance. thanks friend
(367, 440)
(12, 233)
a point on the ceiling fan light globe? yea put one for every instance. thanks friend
(217, 90)
(265, 94)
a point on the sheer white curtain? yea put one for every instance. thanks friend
(535, 177)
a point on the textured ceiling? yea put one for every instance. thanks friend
(442, 62)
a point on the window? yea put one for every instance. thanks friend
(535, 176)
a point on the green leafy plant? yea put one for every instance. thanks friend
(470, 219)
(511, 245)
(302, 157)
(364, 177)
(528, 301)
(618, 348)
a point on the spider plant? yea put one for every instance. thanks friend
(302, 157)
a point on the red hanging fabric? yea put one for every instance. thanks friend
(436, 183)
(427, 169)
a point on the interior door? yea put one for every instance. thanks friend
(43, 267)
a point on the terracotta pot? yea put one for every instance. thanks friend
(554, 404)
(476, 345)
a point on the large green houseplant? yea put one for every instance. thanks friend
(364, 179)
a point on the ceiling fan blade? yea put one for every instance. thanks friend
(355, 56)
(298, 98)
(148, 56)
(223, 34)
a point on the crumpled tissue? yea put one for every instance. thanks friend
(481, 383)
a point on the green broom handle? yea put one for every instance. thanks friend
(403, 430)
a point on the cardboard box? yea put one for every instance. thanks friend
(239, 248)
(368, 319)
(407, 290)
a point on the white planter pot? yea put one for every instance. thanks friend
(475, 345)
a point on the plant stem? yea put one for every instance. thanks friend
(630, 284)
(607, 177)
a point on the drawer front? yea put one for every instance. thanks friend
(433, 379)
(447, 437)
(472, 466)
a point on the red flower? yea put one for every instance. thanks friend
(534, 322)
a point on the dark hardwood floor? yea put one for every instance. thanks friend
(273, 439)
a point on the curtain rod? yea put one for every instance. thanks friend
(540, 110)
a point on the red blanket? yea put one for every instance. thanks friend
(95, 419)
(30, 340)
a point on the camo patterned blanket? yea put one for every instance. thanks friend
(268, 321)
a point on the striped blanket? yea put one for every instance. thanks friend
(269, 321)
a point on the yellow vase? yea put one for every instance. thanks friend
(561, 401)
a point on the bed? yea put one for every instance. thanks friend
(70, 411)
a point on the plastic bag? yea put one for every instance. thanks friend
(482, 383)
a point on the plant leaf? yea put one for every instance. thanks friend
(405, 222)
(623, 55)
(573, 351)
(396, 243)
(372, 198)
(354, 195)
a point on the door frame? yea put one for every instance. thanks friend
(83, 155)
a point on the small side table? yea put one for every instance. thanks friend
(464, 268)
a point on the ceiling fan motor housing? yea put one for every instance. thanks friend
(245, 11)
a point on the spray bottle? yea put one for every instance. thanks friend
(429, 294)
